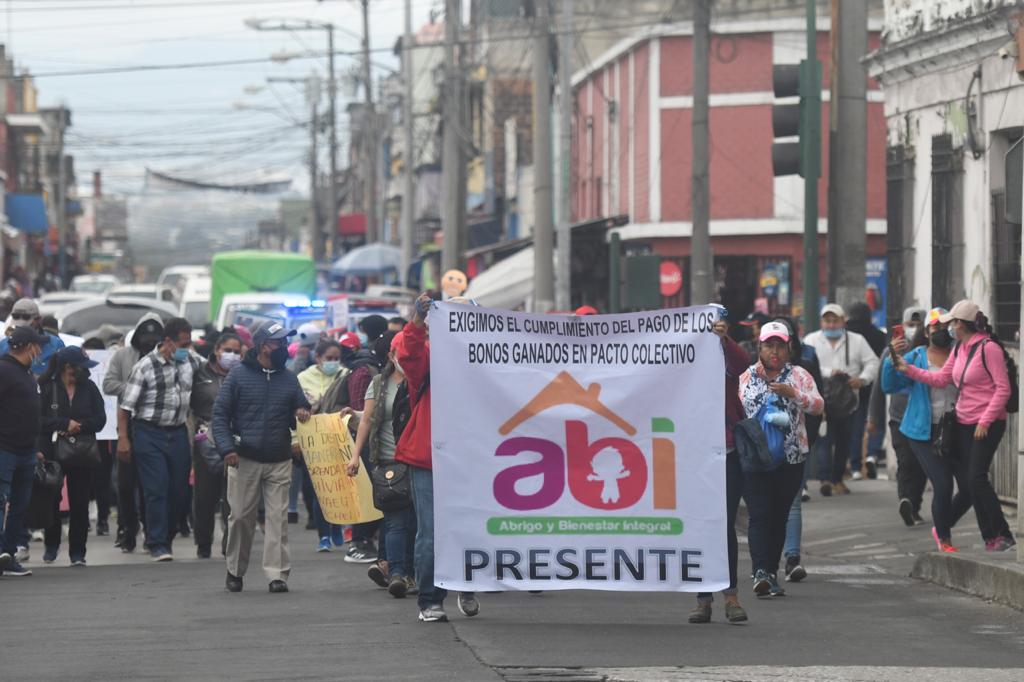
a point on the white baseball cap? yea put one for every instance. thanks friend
(775, 330)
(833, 308)
(962, 310)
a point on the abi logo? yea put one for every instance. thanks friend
(608, 473)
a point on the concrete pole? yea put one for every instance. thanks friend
(332, 183)
(811, 161)
(408, 191)
(563, 281)
(62, 209)
(453, 213)
(849, 180)
(543, 280)
(701, 267)
(313, 99)
(369, 135)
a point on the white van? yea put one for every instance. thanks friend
(195, 302)
(175, 276)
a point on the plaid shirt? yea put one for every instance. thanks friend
(159, 390)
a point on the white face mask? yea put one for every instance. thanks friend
(911, 333)
(229, 359)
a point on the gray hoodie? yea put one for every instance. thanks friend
(897, 401)
(123, 360)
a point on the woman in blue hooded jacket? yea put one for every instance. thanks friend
(920, 424)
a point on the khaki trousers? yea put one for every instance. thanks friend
(244, 485)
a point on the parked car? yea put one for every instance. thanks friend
(157, 291)
(176, 275)
(120, 312)
(94, 284)
(51, 302)
(195, 304)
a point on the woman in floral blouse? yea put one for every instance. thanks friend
(769, 494)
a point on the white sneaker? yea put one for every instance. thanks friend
(37, 536)
(433, 614)
(22, 554)
(857, 476)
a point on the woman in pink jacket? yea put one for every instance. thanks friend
(978, 370)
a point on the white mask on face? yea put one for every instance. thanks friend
(911, 333)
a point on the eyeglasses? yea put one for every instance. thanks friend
(21, 316)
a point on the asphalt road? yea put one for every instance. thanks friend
(857, 617)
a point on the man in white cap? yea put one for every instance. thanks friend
(25, 313)
(847, 365)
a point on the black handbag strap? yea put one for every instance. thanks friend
(967, 363)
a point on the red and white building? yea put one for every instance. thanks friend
(631, 155)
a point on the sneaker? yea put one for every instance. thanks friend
(50, 555)
(794, 571)
(13, 568)
(397, 587)
(434, 614)
(233, 583)
(277, 587)
(102, 528)
(338, 535)
(906, 510)
(37, 536)
(856, 476)
(871, 467)
(161, 555)
(826, 489)
(203, 552)
(361, 553)
(78, 561)
(128, 546)
(762, 583)
(918, 521)
(378, 575)
(468, 604)
(413, 588)
(775, 590)
(22, 554)
(943, 544)
(1000, 544)
(324, 545)
(804, 495)
(701, 613)
(841, 489)
(293, 517)
(734, 613)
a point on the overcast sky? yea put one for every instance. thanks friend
(187, 122)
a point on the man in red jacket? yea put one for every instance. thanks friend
(414, 449)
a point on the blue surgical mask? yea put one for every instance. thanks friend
(832, 333)
(180, 354)
(363, 340)
(331, 367)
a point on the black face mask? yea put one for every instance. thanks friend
(941, 339)
(279, 357)
(81, 375)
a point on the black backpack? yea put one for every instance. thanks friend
(1013, 402)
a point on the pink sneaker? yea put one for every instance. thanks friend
(944, 546)
(1000, 544)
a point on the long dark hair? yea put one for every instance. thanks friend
(54, 370)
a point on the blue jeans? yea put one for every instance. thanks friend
(16, 474)
(295, 489)
(423, 500)
(400, 541)
(162, 457)
(795, 522)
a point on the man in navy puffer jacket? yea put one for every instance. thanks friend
(252, 420)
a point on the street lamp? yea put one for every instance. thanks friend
(319, 246)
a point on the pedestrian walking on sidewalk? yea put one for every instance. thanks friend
(769, 494)
(152, 433)
(19, 434)
(847, 365)
(253, 417)
(978, 368)
(910, 477)
(72, 407)
(860, 323)
(736, 362)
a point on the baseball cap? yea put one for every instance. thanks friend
(754, 318)
(73, 355)
(774, 330)
(309, 334)
(270, 331)
(962, 310)
(350, 340)
(833, 308)
(934, 316)
(24, 307)
(21, 336)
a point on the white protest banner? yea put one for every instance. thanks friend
(102, 357)
(578, 452)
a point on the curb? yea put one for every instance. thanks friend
(998, 583)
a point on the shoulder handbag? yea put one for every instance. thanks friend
(74, 451)
(392, 487)
(840, 398)
(944, 440)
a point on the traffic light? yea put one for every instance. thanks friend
(801, 157)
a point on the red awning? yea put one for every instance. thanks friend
(352, 224)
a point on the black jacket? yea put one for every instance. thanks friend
(19, 407)
(258, 406)
(206, 385)
(86, 408)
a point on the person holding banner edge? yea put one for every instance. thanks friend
(736, 361)
(414, 448)
(769, 494)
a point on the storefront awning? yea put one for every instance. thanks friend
(26, 212)
(506, 284)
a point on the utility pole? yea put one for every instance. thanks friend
(369, 135)
(62, 209)
(313, 100)
(810, 150)
(701, 266)
(453, 215)
(848, 156)
(320, 248)
(408, 196)
(543, 280)
(563, 280)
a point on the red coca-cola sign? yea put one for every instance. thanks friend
(671, 278)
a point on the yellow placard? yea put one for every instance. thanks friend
(327, 448)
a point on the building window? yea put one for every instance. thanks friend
(899, 183)
(1006, 248)
(947, 225)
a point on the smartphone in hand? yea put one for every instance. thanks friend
(898, 332)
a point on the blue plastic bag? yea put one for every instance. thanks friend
(774, 422)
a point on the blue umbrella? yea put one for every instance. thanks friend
(372, 259)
